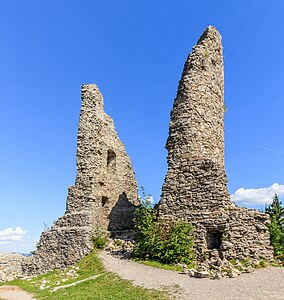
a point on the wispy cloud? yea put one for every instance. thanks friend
(259, 196)
(10, 235)
(268, 149)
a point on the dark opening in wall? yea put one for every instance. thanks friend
(104, 200)
(214, 240)
(111, 156)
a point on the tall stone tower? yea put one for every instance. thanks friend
(195, 187)
(105, 193)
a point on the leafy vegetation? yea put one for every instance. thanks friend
(106, 287)
(99, 240)
(276, 228)
(167, 243)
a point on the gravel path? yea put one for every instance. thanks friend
(263, 284)
(14, 293)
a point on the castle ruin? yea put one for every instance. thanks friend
(104, 196)
(105, 193)
(195, 187)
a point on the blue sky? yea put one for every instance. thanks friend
(134, 51)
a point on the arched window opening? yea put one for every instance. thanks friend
(111, 156)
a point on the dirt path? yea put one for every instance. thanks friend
(263, 284)
(14, 293)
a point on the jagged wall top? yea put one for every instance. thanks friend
(92, 98)
(199, 104)
(104, 196)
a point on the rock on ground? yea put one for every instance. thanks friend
(263, 284)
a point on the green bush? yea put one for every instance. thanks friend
(167, 243)
(178, 246)
(99, 240)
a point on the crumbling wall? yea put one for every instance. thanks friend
(104, 196)
(195, 187)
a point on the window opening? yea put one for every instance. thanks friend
(104, 200)
(111, 156)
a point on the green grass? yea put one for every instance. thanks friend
(106, 287)
(159, 265)
(262, 264)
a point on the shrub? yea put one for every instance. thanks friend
(178, 246)
(167, 243)
(99, 240)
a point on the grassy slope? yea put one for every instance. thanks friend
(106, 287)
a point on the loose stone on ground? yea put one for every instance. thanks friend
(263, 284)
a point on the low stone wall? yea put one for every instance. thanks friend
(11, 266)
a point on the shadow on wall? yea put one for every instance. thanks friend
(121, 215)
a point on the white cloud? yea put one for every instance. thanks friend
(10, 235)
(259, 196)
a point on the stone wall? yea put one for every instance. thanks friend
(195, 187)
(103, 198)
(11, 266)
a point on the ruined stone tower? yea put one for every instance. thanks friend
(195, 187)
(105, 193)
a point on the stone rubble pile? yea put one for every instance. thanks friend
(217, 268)
(120, 247)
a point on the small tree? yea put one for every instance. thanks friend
(275, 210)
(276, 228)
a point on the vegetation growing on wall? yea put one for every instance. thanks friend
(168, 243)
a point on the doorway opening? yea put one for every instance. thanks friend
(214, 240)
